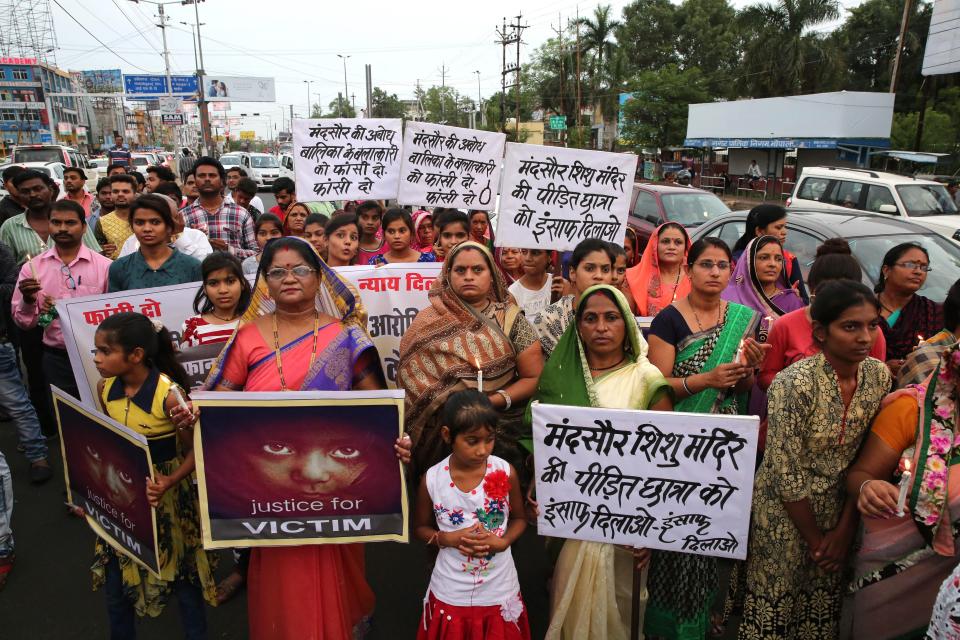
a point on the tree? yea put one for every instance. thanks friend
(445, 105)
(386, 105)
(780, 46)
(648, 34)
(596, 40)
(939, 133)
(709, 38)
(656, 114)
(339, 108)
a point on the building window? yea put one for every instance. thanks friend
(20, 75)
(8, 115)
(3, 73)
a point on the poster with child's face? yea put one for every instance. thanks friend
(312, 468)
(106, 468)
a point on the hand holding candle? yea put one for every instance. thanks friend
(738, 358)
(33, 269)
(905, 478)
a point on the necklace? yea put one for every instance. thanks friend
(697, 317)
(230, 319)
(616, 364)
(276, 347)
(676, 285)
(885, 307)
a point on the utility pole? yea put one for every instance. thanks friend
(346, 91)
(578, 75)
(369, 77)
(443, 90)
(518, 29)
(904, 23)
(309, 108)
(202, 103)
(506, 39)
(563, 101)
(479, 98)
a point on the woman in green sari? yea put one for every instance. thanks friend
(600, 361)
(696, 342)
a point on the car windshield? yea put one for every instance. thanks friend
(692, 209)
(264, 162)
(42, 154)
(944, 259)
(926, 199)
(229, 161)
(45, 170)
(140, 161)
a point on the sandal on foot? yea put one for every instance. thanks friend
(228, 587)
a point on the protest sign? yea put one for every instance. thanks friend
(662, 480)
(552, 198)
(80, 317)
(392, 296)
(450, 166)
(197, 361)
(106, 466)
(318, 468)
(347, 158)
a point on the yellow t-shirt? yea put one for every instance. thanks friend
(144, 412)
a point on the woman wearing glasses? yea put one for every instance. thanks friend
(908, 317)
(302, 332)
(695, 342)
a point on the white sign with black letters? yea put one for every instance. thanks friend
(661, 480)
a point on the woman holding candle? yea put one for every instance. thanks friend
(703, 345)
(908, 317)
(600, 361)
(803, 521)
(470, 324)
(661, 276)
(908, 460)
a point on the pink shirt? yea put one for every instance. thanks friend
(792, 340)
(86, 202)
(89, 271)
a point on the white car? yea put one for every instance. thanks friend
(52, 169)
(140, 162)
(923, 202)
(262, 168)
(286, 166)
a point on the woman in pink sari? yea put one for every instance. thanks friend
(302, 332)
(904, 558)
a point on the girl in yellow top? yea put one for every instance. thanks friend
(136, 359)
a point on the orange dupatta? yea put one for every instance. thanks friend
(644, 278)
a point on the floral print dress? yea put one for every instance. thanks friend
(811, 442)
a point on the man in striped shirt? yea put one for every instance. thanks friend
(228, 226)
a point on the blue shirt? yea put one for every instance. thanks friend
(133, 272)
(119, 155)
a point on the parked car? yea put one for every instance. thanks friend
(67, 156)
(286, 166)
(870, 238)
(924, 202)
(654, 204)
(262, 168)
(230, 160)
(141, 161)
(52, 169)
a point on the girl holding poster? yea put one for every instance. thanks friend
(303, 332)
(139, 389)
(471, 507)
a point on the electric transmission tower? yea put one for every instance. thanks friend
(26, 30)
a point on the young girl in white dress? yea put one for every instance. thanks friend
(470, 506)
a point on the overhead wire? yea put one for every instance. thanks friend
(82, 26)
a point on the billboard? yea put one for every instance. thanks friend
(942, 53)
(237, 89)
(184, 86)
(102, 80)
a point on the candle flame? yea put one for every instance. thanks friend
(919, 338)
(29, 258)
(905, 464)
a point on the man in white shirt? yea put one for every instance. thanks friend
(234, 176)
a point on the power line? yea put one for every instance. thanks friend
(82, 26)
(139, 30)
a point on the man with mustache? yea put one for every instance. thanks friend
(113, 229)
(28, 234)
(68, 270)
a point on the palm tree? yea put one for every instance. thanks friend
(783, 47)
(597, 39)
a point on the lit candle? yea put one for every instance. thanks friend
(739, 356)
(479, 375)
(179, 398)
(920, 341)
(904, 487)
(33, 269)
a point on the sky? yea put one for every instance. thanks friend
(295, 41)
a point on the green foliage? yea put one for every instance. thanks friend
(939, 132)
(656, 116)
(386, 105)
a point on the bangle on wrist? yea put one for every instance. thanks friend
(506, 398)
(863, 484)
(686, 388)
(434, 538)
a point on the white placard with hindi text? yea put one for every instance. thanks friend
(347, 158)
(660, 480)
(552, 197)
(450, 166)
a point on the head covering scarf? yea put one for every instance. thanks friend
(448, 341)
(286, 217)
(335, 298)
(418, 218)
(490, 236)
(644, 278)
(745, 288)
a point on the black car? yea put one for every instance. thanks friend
(870, 238)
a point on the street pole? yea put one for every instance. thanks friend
(904, 23)
(202, 102)
(479, 99)
(369, 75)
(346, 91)
(309, 109)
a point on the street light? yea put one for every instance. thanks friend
(309, 111)
(346, 92)
(479, 99)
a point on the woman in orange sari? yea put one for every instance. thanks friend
(302, 332)
(660, 278)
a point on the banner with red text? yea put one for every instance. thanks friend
(392, 295)
(106, 466)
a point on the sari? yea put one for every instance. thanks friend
(918, 320)
(683, 586)
(418, 218)
(650, 294)
(902, 561)
(315, 591)
(593, 582)
(745, 288)
(441, 352)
